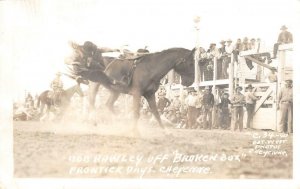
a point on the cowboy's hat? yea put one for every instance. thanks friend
(249, 87)
(283, 27)
(222, 42)
(238, 87)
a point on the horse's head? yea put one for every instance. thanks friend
(185, 67)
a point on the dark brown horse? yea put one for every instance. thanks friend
(144, 75)
(65, 98)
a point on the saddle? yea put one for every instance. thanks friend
(132, 56)
(127, 77)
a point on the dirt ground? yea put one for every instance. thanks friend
(73, 150)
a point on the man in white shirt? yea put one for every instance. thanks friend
(191, 102)
(250, 105)
(227, 58)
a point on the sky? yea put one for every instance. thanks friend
(38, 31)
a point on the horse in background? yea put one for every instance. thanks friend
(65, 99)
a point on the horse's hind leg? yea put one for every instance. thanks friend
(92, 93)
(136, 113)
(152, 104)
(93, 89)
(111, 100)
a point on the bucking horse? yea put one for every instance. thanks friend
(141, 77)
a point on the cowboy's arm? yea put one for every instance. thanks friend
(279, 40)
(253, 97)
(106, 49)
(279, 98)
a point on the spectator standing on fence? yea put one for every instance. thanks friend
(212, 51)
(238, 102)
(245, 44)
(202, 61)
(245, 47)
(227, 58)
(250, 105)
(284, 37)
(208, 103)
(224, 111)
(221, 58)
(285, 104)
(252, 45)
(272, 77)
(237, 49)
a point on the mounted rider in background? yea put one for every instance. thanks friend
(57, 87)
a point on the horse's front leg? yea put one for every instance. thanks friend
(152, 105)
(92, 93)
(42, 109)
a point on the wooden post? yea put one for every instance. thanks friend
(214, 92)
(215, 72)
(171, 76)
(280, 76)
(280, 81)
(231, 76)
(197, 53)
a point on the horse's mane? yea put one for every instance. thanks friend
(168, 51)
(172, 49)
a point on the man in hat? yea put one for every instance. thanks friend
(222, 48)
(245, 47)
(224, 111)
(163, 102)
(272, 77)
(238, 102)
(227, 58)
(250, 99)
(284, 37)
(285, 104)
(191, 102)
(252, 44)
(176, 103)
(57, 87)
(208, 103)
(237, 49)
(212, 51)
(221, 58)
